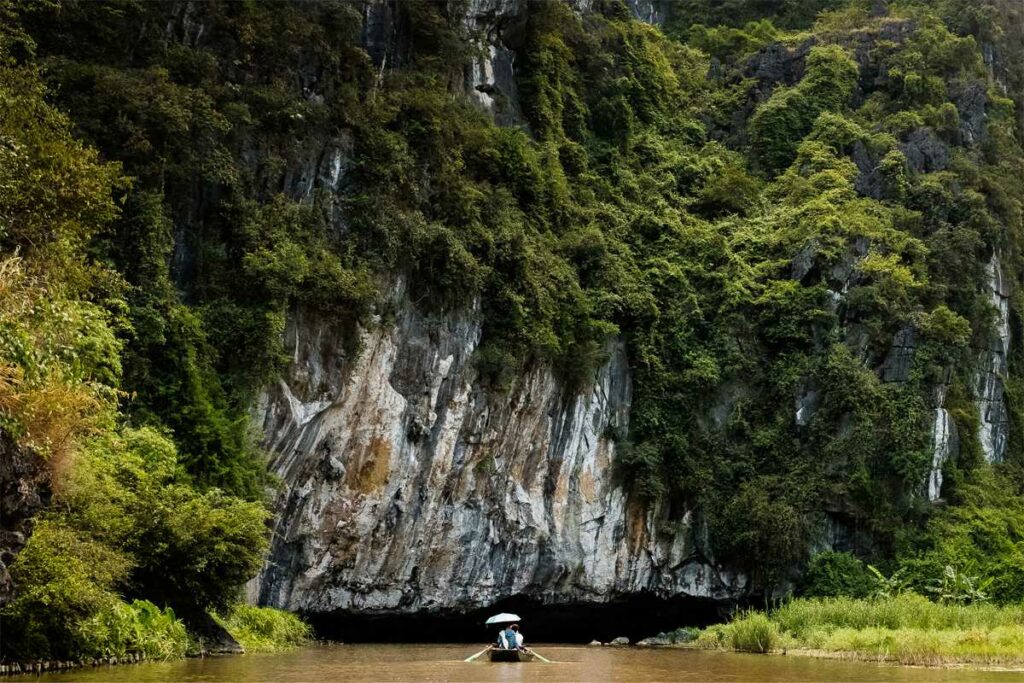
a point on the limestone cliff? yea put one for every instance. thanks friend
(409, 486)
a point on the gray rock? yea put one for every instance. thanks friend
(684, 635)
(651, 11)
(802, 263)
(594, 643)
(621, 641)
(898, 361)
(992, 367)
(655, 641)
(335, 469)
(944, 444)
(971, 103)
(870, 181)
(925, 152)
(806, 404)
(499, 494)
(778, 64)
(211, 637)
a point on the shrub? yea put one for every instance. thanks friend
(779, 125)
(981, 541)
(262, 629)
(186, 546)
(64, 581)
(139, 628)
(713, 637)
(753, 632)
(831, 574)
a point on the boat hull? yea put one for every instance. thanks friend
(499, 655)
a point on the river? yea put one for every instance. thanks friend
(367, 663)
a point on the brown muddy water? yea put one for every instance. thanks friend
(339, 663)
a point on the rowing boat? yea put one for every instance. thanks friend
(502, 655)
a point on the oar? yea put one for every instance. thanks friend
(541, 657)
(471, 658)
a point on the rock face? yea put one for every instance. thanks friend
(408, 486)
(992, 365)
(494, 25)
(944, 441)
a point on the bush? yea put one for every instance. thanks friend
(126, 520)
(982, 538)
(713, 637)
(63, 581)
(186, 546)
(263, 629)
(779, 125)
(831, 574)
(139, 628)
(753, 632)
(67, 607)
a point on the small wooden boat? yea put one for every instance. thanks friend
(501, 655)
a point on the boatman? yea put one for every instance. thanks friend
(518, 637)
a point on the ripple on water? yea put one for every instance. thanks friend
(369, 663)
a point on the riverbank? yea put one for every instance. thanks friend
(43, 666)
(256, 629)
(907, 629)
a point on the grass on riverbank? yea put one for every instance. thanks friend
(265, 629)
(908, 629)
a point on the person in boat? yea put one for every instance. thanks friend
(518, 637)
(510, 638)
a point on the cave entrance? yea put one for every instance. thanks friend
(635, 617)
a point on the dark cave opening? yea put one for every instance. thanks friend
(635, 617)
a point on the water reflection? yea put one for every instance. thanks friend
(372, 663)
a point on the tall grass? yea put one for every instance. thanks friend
(908, 629)
(265, 629)
(118, 629)
(999, 645)
(754, 632)
(904, 611)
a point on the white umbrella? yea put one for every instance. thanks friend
(503, 618)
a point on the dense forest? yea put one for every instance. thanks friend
(804, 218)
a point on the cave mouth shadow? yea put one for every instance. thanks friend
(635, 617)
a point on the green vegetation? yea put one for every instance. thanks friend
(264, 629)
(831, 574)
(778, 125)
(753, 632)
(129, 531)
(908, 629)
(757, 232)
(981, 540)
